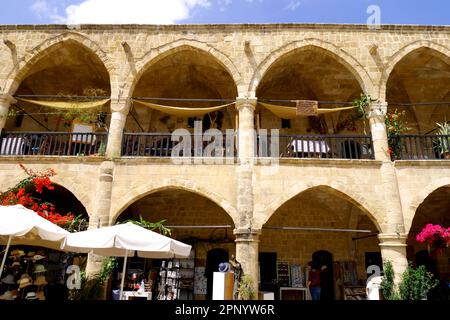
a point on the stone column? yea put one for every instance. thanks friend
(393, 249)
(101, 216)
(376, 114)
(246, 129)
(247, 249)
(392, 241)
(5, 101)
(119, 115)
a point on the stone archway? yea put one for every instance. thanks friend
(340, 55)
(155, 55)
(401, 54)
(320, 219)
(195, 219)
(20, 71)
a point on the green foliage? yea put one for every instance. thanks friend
(363, 103)
(246, 290)
(93, 288)
(102, 148)
(151, 225)
(387, 284)
(395, 126)
(443, 142)
(416, 283)
(77, 224)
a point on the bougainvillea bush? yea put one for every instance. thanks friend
(435, 236)
(22, 193)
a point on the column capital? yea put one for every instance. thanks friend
(377, 109)
(393, 239)
(247, 235)
(122, 105)
(6, 98)
(242, 102)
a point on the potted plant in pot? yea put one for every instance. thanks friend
(443, 140)
(416, 283)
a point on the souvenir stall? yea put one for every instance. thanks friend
(33, 273)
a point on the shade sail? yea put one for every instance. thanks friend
(286, 112)
(183, 111)
(126, 239)
(67, 104)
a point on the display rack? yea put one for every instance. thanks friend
(169, 280)
(187, 277)
(283, 274)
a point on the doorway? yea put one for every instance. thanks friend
(214, 257)
(325, 258)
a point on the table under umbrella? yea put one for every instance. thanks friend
(126, 240)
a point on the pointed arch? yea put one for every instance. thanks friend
(411, 210)
(441, 50)
(171, 184)
(340, 55)
(159, 53)
(20, 71)
(338, 190)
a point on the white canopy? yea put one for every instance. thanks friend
(126, 239)
(19, 225)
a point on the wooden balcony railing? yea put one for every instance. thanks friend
(52, 143)
(317, 146)
(421, 147)
(161, 145)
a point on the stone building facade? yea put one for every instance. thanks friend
(401, 66)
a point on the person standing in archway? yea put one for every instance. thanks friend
(314, 281)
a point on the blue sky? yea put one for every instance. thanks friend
(434, 12)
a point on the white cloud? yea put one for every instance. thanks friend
(42, 9)
(293, 5)
(123, 11)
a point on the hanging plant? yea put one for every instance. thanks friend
(395, 126)
(436, 237)
(82, 115)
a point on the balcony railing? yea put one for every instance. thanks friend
(421, 147)
(52, 143)
(161, 145)
(317, 146)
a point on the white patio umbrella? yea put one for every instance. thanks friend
(19, 225)
(126, 240)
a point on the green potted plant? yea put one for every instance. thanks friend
(246, 290)
(443, 141)
(416, 283)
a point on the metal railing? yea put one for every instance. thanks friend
(53, 143)
(319, 146)
(420, 147)
(162, 145)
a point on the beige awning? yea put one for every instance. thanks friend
(67, 104)
(183, 111)
(285, 112)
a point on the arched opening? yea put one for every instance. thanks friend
(44, 269)
(187, 78)
(418, 86)
(60, 84)
(320, 226)
(312, 73)
(193, 219)
(433, 210)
